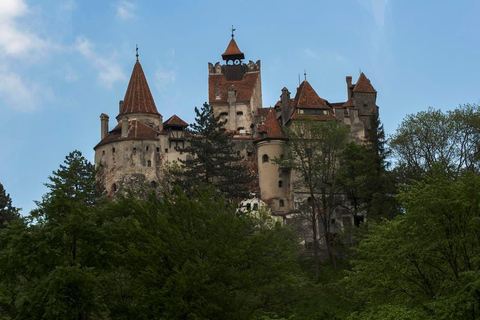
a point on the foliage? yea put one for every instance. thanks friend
(8, 212)
(178, 257)
(214, 161)
(426, 261)
(430, 138)
(363, 175)
(312, 151)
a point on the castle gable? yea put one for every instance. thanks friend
(363, 85)
(307, 98)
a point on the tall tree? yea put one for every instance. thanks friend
(424, 264)
(214, 160)
(8, 212)
(364, 177)
(430, 138)
(313, 151)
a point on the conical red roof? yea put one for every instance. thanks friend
(138, 98)
(307, 98)
(363, 85)
(273, 127)
(232, 52)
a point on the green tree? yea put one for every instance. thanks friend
(8, 212)
(48, 266)
(313, 151)
(430, 138)
(214, 160)
(369, 187)
(424, 264)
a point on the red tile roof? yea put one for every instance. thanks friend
(244, 87)
(137, 130)
(138, 98)
(363, 85)
(175, 121)
(349, 103)
(232, 51)
(307, 98)
(273, 127)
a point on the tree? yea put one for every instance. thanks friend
(369, 187)
(8, 212)
(214, 161)
(432, 137)
(425, 263)
(49, 266)
(312, 151)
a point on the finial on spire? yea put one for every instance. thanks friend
(305, 74)
(137, 51)
(233, 30)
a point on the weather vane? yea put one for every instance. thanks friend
(137, 51)
(233, 30)
(305, 74)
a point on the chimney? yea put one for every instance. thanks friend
(349, 84)
(124, 127)
(103, 125)
(285, 101)
(120, 106)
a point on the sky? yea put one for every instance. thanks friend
(63, 63)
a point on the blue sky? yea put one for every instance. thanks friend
(63, 63)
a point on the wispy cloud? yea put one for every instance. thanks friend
(125, 10)
(321, 54)
(377, 9)
(109, 71)
(163, 78)
(21, 94)
(15, 40)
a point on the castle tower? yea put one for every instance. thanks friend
(129, 154)
(274, 181)
(235, 90)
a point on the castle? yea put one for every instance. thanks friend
(141, 143)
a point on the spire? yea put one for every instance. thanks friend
(273, 127)
(137, 51)
(138, 98)
(233, 52)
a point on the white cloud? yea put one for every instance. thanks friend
(21, 94)
(322, 54)
(309, 53)
(163, 78)
(15, 40)
(125, 10)
(378, 7)
(109, 71)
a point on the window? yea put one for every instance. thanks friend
(153, 184)
(255, 206)
(265, 158)
(249, 206)
(114, 187)
(358, 220)
(134, 150)
(332, 221)
(103, 152)
(149, 163)
(280, 183)
(249, 153)
(238, 153)
(113, 150)
(282, 203)
(240, 128)
(158, 149)
(166, 150)
(239, 113)
(223, 114)
(146, 148)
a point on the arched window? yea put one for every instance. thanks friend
(280, 183)
(149, 163)
(282, 203)
(146, 148)
(265, 158)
